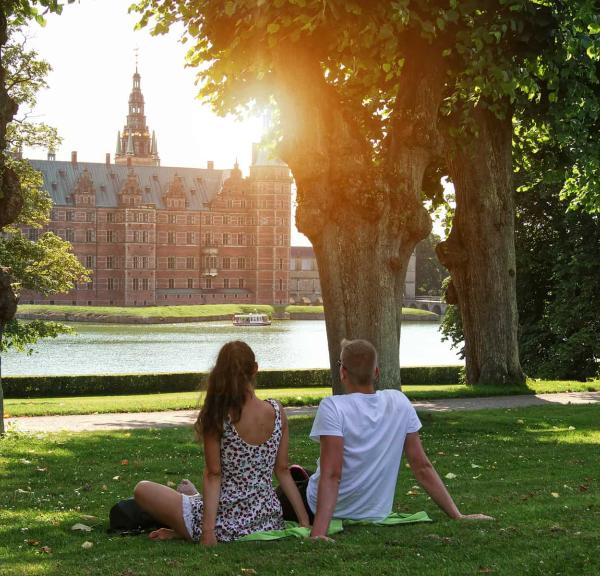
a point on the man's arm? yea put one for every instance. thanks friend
(426, 476)
(332, 452)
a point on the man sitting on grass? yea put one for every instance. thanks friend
(362, 435)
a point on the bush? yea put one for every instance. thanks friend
(115, 384)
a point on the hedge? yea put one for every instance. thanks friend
(115, 384)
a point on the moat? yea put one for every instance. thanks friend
(127, 348)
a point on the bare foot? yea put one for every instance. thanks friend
(187, 488)
(163, 534)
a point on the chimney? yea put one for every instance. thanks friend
(210, 165)
(108, 158)
(51, 155)
(74, 157)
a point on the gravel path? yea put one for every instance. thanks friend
(128, 421)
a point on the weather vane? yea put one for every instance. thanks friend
(136, 51)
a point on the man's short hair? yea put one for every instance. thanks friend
(359, 357)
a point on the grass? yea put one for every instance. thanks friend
(199, 311)
(536, 470)
(287, 396)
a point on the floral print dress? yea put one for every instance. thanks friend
(247, 502)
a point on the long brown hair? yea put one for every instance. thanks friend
(227, 388)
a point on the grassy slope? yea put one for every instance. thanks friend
(536, 471)
(288, 396)
(204, 311)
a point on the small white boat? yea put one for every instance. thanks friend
(252, 319)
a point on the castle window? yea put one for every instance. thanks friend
(171, 238)
(136, 262)
(109, 262)
(190, 283)
(190, 219)
(171, 283)
(208, 283)
(241, 263)
(144, 261)
(110, 237)
(241, 282)
(89, 235)
(225, 219)
(208, 239)
(90, 285)
(241, 239)
(144, 236)
(226, 283)
(145, 284)
(69, 235)
(136, 283)
(172, 218)
(111, 284)
(189, 238)
(89, 261)
(280, 284)
(110, 217)
(229, 203)
(69, 216)
(171, 263)
(189, 263)
(226, 263)
(225, 239)
(89, 217)
(281, 263)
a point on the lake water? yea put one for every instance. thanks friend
(138, 348)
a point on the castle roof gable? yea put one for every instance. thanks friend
(200, 185)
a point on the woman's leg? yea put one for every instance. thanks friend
(162, 503)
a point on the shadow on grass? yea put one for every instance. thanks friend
(536, 470)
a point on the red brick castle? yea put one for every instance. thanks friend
(156, 235)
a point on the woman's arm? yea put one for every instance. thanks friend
(211, 489)
(282, 471)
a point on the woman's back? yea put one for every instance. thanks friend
(247, 501)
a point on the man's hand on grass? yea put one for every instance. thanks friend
(475, 517)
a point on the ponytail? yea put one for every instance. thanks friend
(227, 388)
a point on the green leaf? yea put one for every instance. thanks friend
(594, 28)
(273, 28)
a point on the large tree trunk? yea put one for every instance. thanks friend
(480, 251)
(363, 220)
(11, 199)
(11, 202)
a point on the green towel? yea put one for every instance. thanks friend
(393, 519)
(293, 530)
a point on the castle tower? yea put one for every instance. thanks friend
(135, 147)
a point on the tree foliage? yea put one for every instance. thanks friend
(47, 264)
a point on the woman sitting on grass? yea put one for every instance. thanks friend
(245, 440)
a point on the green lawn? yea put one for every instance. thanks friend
(536, 470)
(288, 397)
(202, 311)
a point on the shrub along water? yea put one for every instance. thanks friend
(99, 384)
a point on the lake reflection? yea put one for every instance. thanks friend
(131, 348)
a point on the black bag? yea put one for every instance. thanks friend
(126, 517)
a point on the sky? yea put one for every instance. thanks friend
(91, 47)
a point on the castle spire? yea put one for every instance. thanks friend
(119, 150)
(135, 139)
(130, 151)
(154, 150)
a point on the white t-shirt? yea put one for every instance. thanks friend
(374, 427)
